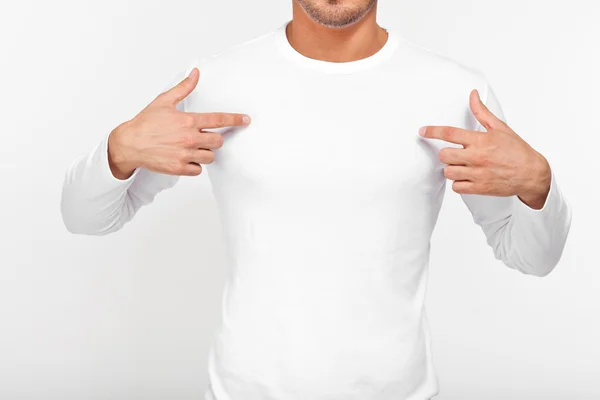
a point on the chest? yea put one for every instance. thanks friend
(336, 138)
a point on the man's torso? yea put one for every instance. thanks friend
(328, 200)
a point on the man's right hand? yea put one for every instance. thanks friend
(163, 139)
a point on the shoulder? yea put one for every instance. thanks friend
(239, 55)
(438, 65)
(224, 73)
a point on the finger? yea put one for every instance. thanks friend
(458, 173)
(201, 156)
(190, 169)
(449, 134)
(451, 155)
(209, 140)
(180, 91)
(464, 187)
(485, 117)
(220, 119)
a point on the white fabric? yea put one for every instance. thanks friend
(328, 200)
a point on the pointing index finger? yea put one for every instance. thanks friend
(449, 134)
(220, 119)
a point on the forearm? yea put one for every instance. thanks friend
(94, 201)
(532, 240)
(101, 194)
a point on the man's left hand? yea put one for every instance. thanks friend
(497, 162)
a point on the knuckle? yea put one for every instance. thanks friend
(447, 133)
(482, 158)
(454, 133)
(485, 158)
(183, 155)
(480, 174)
(215, 120)
(203, 120)
(182, 85)
(207, 120)
(188, 140)
(187, 121)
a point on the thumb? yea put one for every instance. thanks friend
(180, 91)
(482, 113)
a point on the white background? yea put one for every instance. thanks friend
(130, 315)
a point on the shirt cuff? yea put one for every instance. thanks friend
(553, 205)
(106, 174)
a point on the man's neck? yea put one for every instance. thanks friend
(359, 40)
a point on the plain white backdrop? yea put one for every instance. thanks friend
(131, 315)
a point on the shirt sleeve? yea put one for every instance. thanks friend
(95, 202)
(526, 239)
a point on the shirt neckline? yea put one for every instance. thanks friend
(300, 60)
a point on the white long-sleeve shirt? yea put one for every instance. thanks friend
(328, 200)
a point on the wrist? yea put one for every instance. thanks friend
(536, 193)
(121, 165)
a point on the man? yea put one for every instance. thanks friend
(328, 197)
